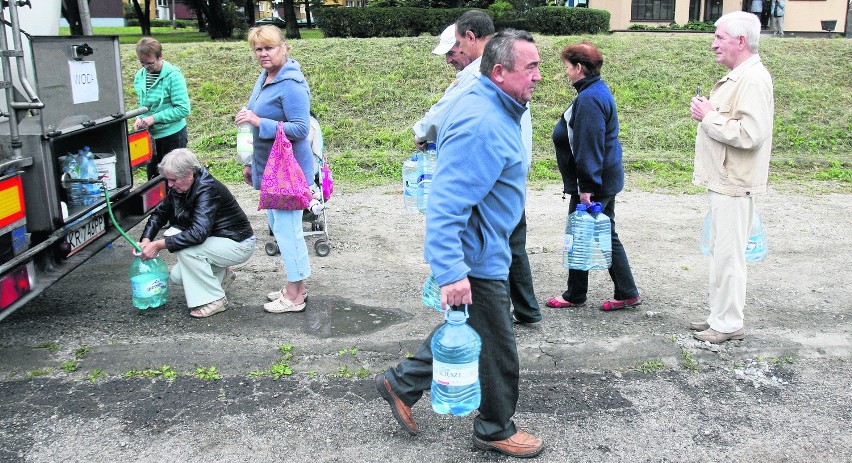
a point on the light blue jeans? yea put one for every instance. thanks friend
(200, 269)
(286, 226)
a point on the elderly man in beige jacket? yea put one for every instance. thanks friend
(732, 149)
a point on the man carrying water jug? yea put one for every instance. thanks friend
(732, 149)
(476, 200)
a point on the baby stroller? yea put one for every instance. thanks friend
(321, 189)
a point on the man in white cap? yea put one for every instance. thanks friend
(426, 129)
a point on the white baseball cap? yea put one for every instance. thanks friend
(448, 39)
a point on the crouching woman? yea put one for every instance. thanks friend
(209, 232)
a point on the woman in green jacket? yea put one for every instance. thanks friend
(161, 87)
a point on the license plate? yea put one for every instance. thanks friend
(85, 233)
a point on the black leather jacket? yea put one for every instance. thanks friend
(207, 209)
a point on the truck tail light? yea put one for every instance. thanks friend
(140, 148)
(11, 200)
(153, 196)
(15, 285)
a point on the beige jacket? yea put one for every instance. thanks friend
(734, 142)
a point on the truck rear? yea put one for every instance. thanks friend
(60, 95)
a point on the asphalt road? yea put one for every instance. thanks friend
(620, 387)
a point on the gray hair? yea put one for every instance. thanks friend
(501, 50)
(742, 23)
(179, 162)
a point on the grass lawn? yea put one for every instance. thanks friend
(368, 92)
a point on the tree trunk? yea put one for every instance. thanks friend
(143, 15)
(71, 13)
(290, 18)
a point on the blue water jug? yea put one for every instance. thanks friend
(578, 241)
(410, 175)
(424, 180)
(602, 250)
(432, 293)
(756, 248)
(455, 366)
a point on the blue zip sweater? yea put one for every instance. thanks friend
(287, 98)
(592, 162)
(479, 186)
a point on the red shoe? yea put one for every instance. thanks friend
(557, 304)
(615, 304)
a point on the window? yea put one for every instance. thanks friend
(652, 10)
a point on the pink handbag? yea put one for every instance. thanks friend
(283, 185)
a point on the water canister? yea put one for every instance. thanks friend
(432, 293)
(74, 190)
(89, 171)
(602, 251)
(245, 142)
(410, 175)
(756, 248)
(455, 366)
(149, 282)
(424, 181)
(579, 239)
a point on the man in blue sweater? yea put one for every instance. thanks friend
(475, 202)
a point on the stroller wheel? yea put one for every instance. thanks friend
(271, 248)
(322, 248)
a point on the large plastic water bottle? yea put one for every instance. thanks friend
(432, 293)
(74, 190)
(89, 171)
(424, 181)
(149, 282)
(245, 142)
(756, 248)
(410, 175)
(579, 240)
(602, 251)
(455, 366)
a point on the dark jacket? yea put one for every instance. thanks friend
(592, 162)
(207, 209)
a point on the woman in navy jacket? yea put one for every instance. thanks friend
(588, 154)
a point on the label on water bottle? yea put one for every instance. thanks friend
(145, 287)
(455, 374)
(568, 243)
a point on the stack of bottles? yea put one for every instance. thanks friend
(417, 174)
(82, 166)
(455, 366)
(756, 248)
(587, 243)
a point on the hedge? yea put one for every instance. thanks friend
(558, 20)
(385, 22)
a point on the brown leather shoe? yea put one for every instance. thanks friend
(716, 337)
(400, 411)
(699, 326)
(521, 445)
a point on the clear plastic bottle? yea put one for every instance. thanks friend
(410, 175)
(602, 252)
(149, 283)
(756, 248)
(432, 293)
(245, 141)
(424, 181)
(89, 171)
(74, 190)
(578, 241)
(455, 366)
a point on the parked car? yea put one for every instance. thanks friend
(275, 21)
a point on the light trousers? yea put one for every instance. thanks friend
(200, 269)
(730, 219)
(286, 226)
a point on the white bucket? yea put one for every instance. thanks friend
(105, 163)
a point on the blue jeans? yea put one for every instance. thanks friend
(619, 271)
(498, 362)
(286, 226)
